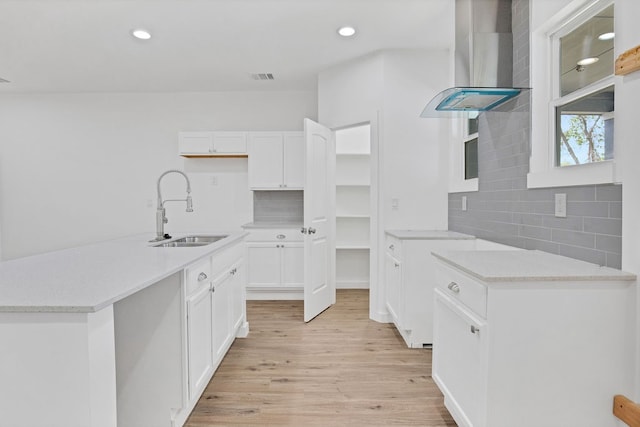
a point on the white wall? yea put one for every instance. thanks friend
(415, 162)
(392, 88)
(79, 168)
(628, 151)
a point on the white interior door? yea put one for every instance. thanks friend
(319, 286)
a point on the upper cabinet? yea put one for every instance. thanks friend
(276, 160)
(213, 144)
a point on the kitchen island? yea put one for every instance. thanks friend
(531, 339)
(99, 335)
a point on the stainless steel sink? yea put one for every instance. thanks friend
(200, 239)
(190, 241)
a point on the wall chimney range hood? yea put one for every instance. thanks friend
(483, 60)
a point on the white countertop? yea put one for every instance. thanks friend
(428, 235)
(274, 224)
(528, 265)
(89, 278)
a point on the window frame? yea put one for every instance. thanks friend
(545, 51)
(460, 136)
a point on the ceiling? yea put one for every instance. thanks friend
(202, 45)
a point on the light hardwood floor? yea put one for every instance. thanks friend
(341, 369)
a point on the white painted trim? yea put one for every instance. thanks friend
(266, 294)
(568, 176)
(355, 284)
(545, 97)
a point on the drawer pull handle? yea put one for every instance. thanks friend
(280, 236)
(392, 247)
(396, 264)
(475, 330)
(202, 277)
(454, 287)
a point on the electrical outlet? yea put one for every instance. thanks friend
(464, 203)
(561, 205)
(395, 204)
(214, 181)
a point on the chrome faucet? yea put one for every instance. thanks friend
(161, 219)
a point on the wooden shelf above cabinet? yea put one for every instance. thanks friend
(224, 156)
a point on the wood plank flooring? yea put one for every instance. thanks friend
(341, 369)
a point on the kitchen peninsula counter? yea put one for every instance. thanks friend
(91, 277)
(89, 332)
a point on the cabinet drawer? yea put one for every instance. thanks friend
(198, 275)
(275, 235)
(393, 246)
(226, 257)
(461, 287)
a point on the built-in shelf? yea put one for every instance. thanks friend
(353, 211)
(225, 156)
(352, 246)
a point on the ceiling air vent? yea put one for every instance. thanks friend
(262, 76)
(4, 81)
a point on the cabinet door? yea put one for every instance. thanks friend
(221, 315)
(292, 264)
(459, 360)
(195, 142)
(393, 288)
(265, 160)
(199, 339)
(237, 297)
(293, 161)
(264, 264)
(230, 142)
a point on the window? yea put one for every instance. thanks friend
(584, 122)
(572, 96)
(471, 147)
(463, 171)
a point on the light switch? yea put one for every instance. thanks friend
(395, 204)
(561, 205)
(464, 203)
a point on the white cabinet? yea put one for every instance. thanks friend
(461, 358)
(276, 160)
(393, 278)
(410, 279)
(530, 339)
(199, 328)
(215, 314)
(212, 144)
(275, 263)
(222, 287)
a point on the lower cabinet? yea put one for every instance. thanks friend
(215, 316)
(275, 264)
(530, 352)
(410, 281)
(460, 358)
(199, 329)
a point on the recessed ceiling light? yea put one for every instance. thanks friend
(141, 34)
(588, 61)
(346, 31)
(606, 36)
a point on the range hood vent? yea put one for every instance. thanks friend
(483, 64)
